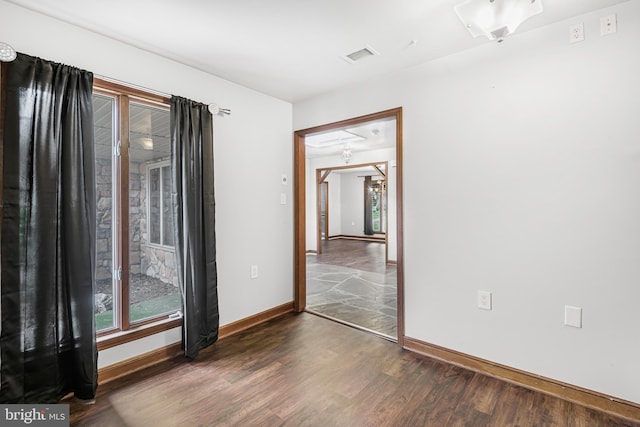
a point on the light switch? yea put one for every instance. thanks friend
(608, 25)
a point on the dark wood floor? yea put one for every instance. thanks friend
(303, 370)
(358, 254)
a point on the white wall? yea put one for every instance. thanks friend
(252, 147)
(522, 177)
(352, 205)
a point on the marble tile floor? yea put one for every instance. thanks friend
(362, 298)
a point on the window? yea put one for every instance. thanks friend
(159, 214)
(376, 194)
(375, 206)
(136, 280)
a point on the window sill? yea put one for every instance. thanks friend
(121, 337)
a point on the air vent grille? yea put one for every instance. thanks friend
(358, 55)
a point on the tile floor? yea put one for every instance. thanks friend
(364, 299)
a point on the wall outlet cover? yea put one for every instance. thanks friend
(484, 300)
(576, 33)
(573, 316)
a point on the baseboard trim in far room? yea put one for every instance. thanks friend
(350, 237)
(129, 366)
(572, 393)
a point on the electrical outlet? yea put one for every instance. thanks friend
(283, 198)
(576, 33)
(254, 271)
(484, 300)
(608, 25)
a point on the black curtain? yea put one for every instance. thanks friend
(48, 345)
(194, 214)
(368, 205)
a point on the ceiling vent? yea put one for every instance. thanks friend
(358, 55)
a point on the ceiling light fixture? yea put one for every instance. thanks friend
(147, 143)
(496, 18)
(346, 154)
(7, 53)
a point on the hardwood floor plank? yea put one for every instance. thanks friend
(470, 418)
(405, 398)
(444, 399)
(486, 401)
(303, 370)
(401, 367)
(506, 413)
(358, 254)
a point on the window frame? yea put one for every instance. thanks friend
(123, 330)
(161, 164)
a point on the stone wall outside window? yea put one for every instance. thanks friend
(154, 261)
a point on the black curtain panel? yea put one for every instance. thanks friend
(368, 215)
(194, 214)
(48, 345)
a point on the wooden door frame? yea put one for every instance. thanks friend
(321, 178)
(299, 167)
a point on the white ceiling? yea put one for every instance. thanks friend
(290, 49)
(145, 122)
(374, 135)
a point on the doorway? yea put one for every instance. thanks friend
(348, 252)
(373, 224)
(323, 217)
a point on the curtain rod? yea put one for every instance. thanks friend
(132, 85)
(213, 107)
